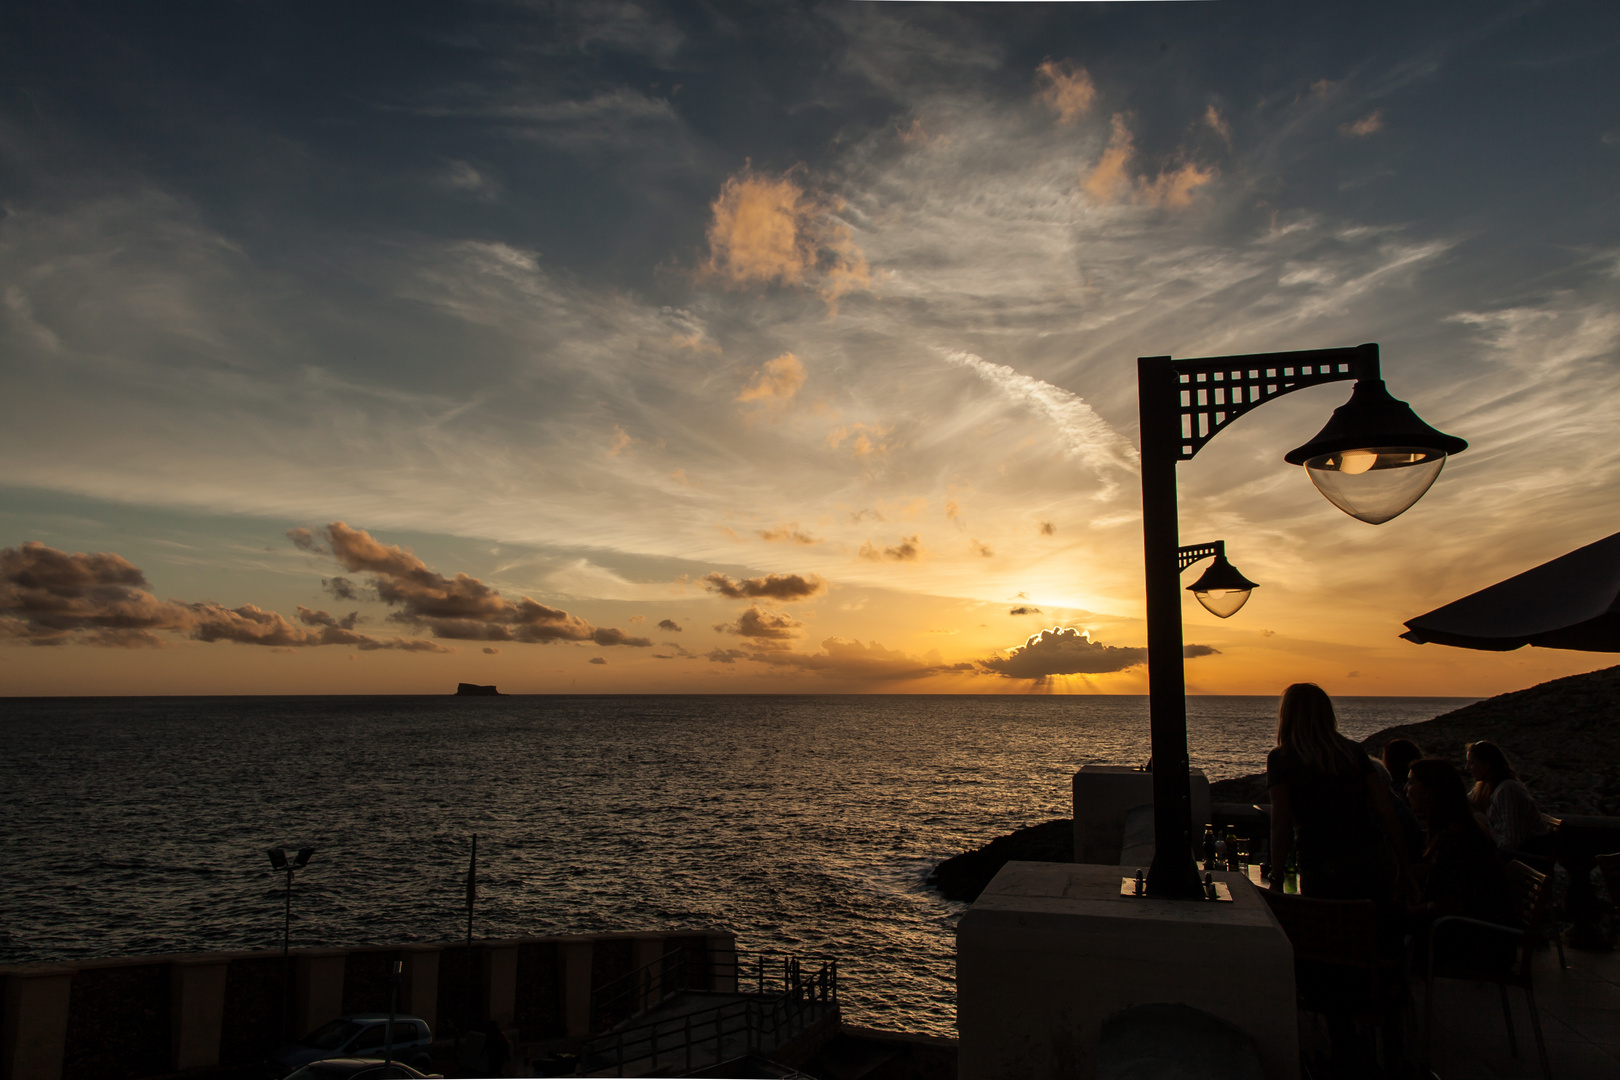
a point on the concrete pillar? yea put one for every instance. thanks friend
(1104, 794)
(1050, 951)
(500, 981)
(33, 1027)
(575, 956)
(196, 1011)
(723, 962)
(317, 988)
(419, 983)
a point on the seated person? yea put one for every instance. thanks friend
(1398, 756)
(1461, 873)
(1506, 803)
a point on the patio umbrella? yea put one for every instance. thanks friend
(1572, 602)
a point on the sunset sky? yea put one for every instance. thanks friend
(777, 348)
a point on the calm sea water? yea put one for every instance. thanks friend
(138, 825)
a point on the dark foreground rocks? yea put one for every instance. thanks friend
(964, 876)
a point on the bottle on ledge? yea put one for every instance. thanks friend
(1291, 876)
(1209, 847)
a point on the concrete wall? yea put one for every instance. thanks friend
(1105, 794)
(132, 1017)
(1050, 951)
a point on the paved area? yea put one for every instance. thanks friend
(1580, 1016)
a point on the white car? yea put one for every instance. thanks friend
(361, 1035)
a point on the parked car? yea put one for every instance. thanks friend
(361, 1035)
(357, 1069)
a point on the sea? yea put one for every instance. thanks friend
(803, 824)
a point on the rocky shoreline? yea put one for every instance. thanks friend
(1562, 736)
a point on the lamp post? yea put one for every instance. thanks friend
(1373, 460)
(279, 861)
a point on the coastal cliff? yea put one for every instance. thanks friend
(1562, 736)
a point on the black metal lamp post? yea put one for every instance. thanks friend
(1373, 460)
(279, 861)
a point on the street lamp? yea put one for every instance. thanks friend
(1220, 588)
(1372, 460)
(279, 861)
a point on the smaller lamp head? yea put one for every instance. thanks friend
(1221, 589)
(278, 858)
(303, 856)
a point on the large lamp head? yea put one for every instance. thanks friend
(1221, 589)
(1375, 458)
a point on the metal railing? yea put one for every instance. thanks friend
(782, 997)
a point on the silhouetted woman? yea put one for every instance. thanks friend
(1506, 803)
(1461, 874)
(1329, 804)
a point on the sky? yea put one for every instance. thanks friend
(777, 347)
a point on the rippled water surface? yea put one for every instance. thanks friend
(801, 823)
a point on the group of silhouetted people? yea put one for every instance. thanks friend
(1405, 831)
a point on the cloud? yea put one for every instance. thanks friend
(491, 650)
(1065, 89)
(850, 660)
(459, 608)
(865, 440)
(1217, 123)
(1025, 611)
(909, 549)
(597, 660)
(1111, 179)
(788, 534)
(1067, 651)
(780, 587)
(1082, 434)
(621, 441)
(321, 618)
(1046, 528)
(676, 652)
(981, 549)
(341, 588)
(1367, 125)
(304, 540)
(770, 230)
(756, 622)
(776, 381)
(1063, 651)
(48, 597)
(669, 624)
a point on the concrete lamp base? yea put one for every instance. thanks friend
(1050, 951)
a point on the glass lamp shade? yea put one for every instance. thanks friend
(1222, 589)
(1377, 483)
(1375, 457)
(1222, 603)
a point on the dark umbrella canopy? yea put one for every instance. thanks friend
(1572, 602)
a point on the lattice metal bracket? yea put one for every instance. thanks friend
(1216, 391)
(1190, 555)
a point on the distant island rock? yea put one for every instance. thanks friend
(468, 689)
(1562, 736)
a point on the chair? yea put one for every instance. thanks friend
(1609, 869)
(1528, 892)
(1341, 968)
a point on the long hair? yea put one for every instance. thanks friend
(1306, 725)
(1495, 761)
(1448, 798)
